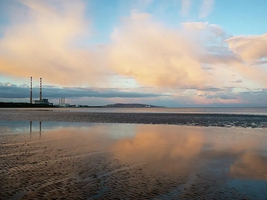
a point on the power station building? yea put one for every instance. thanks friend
(43, 101)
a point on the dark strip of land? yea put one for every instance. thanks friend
(23, 105)
(221, 120)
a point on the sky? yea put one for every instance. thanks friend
(174, 53)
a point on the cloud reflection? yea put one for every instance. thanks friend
(235, 153)
(251, 165)
(163, 147)
(173, 148)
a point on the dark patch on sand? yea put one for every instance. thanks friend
(220, 120)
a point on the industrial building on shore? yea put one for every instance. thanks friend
(40, 101)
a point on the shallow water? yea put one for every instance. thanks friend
(131, 161)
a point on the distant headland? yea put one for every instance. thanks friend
(131, 105)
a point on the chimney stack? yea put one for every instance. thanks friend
(31, 92)
(40, 89)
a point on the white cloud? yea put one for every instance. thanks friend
(186, 5)
(206, 8)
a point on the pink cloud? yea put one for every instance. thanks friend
(155, 55)
(249, 48)
(43, 44)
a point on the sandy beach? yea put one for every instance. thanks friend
(132, 161)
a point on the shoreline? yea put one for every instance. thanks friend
(188, 119)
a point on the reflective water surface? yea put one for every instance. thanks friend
(106, 161)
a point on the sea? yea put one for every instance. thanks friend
(200, 110)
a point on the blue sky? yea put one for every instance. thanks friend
(171, 53)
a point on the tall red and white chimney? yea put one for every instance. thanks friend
(40, 89)
(31, 92)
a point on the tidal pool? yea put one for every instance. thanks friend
(68, 160)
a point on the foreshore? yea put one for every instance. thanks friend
(188, 119)
(133, 161)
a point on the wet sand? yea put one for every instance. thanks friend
(220, 120)
(120, 161)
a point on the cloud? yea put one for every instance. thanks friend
(155, 55)
(186, 5)
(257, 97)
(209, 37)
(146, 2)
(196, 55)
(229, 96)
(250, 54)
(8, 84)
(47, 43)
(222, 96)
(260, 62)
(238, 81)
(9, 90)
(47, 39)
(206, 8)
(249, 48)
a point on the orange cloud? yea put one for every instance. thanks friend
(155, 55)
(47, 42)
(249, 51)
(176, 58)
(43, 44)
(249, 48)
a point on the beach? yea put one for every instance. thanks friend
(66, 155)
